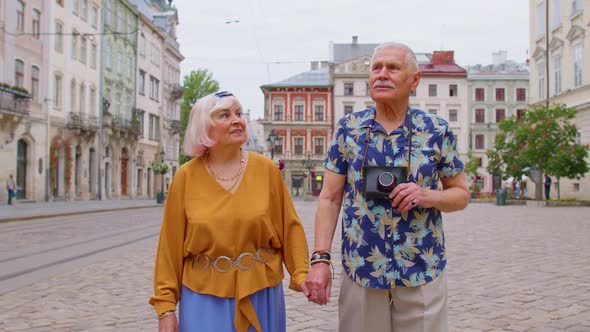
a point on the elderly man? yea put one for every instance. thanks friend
(393, 251)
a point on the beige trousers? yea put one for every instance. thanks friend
(401, 309)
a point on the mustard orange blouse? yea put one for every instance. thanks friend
(201, 217)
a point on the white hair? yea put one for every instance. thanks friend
(410, 60)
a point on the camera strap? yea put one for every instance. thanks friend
(368, 138)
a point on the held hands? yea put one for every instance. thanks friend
(407, 196)
(318, 284)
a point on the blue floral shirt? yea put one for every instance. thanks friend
(381, 247)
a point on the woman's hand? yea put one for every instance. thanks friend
(168, 324)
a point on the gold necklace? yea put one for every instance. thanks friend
(233, 178)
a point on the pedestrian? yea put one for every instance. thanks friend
(547, 187)
(10, 188)
(393, 249)
(229, 225)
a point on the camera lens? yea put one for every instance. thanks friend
(386, 182)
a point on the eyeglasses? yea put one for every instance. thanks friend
(222, 94)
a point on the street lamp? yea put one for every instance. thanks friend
(309, 165)
(162, 154)
(272, 140)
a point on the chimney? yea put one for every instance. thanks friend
(443, 57)
(324, 64)
(355, 40)
(314, 65)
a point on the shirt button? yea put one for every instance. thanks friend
(388, 210)
(389, 235)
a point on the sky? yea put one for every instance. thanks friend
(248, 43)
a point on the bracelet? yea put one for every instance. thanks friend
(166, 314)
(317, 255)
(325, 252)
(325, 261)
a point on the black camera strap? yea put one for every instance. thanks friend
(368, 138)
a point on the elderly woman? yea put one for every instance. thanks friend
(229, 225)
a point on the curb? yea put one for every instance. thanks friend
(65, 214)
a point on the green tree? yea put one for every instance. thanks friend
(471, 168)
(544, 139)
(197, 84)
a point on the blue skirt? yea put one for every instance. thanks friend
(207, 313)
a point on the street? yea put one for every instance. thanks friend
(510, 268)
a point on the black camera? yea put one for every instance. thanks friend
(379, 181)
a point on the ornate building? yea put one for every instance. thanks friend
(298, 124)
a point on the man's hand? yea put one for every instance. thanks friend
(168, 324)
(319, 283)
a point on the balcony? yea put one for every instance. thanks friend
(176, 91)
(174, 126)
(125, 126)
(14, 102)
(83, 123)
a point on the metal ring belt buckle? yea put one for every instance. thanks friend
(216, 261)
(245, 267)
(198, 261)
(261, 251)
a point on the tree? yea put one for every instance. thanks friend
(197, 84)
(471, 168)
(543, 139)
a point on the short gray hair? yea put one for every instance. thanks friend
(411, 60)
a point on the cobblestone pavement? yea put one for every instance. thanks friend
(511, 268)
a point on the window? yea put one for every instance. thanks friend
(129, 66)
(318, 145)
(576, 6)
(19, 73)
(82, 99)
(479, 142)
(154, 88)
(348, 109)
(59, 37)
(348, 89)
(154, 129)
(519, 114)
(108, 55)
(520, 94)
(57, 91)
(540, 19)
(20, 15)
(576, 187)
(60, 2)
(120, 21)
(541, 79)
(453, 115)
(298, 145)
(35, 82)
(119, 61)
(94, 17)
(318, 113)
(578, 63)
(93, 51)
(367, 89)
(413, 93)
(118, 104)
(130, 27)
(141, 118)
(500, 114)
(557, 74)
(555, 13)
(432, 90)
(74, 44)
(278, 147)
(84, 10)
(432, 111)
(141, 44)
(298, 116)
(73, 96)
(109, 12)
(278, 113)
(479, 115)
(141, 83)
(92, 101)
(76, 7)
(500, 94)
(36, 23)
(479, 162)
(453, 90)
(83, 49)
(479, 94)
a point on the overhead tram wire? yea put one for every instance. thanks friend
(88, 35)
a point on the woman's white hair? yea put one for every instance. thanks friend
(196, 138)
(411, 60)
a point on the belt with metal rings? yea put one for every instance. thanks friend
(261, 255)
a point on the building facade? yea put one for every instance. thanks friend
(298, 111)
(495, 92)
(569, 69)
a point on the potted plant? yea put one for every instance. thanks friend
(160, 168)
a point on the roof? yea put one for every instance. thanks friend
(144, 8)
(318, 77)
(345, 52)
(429, 69)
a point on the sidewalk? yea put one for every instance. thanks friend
(24, 211)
